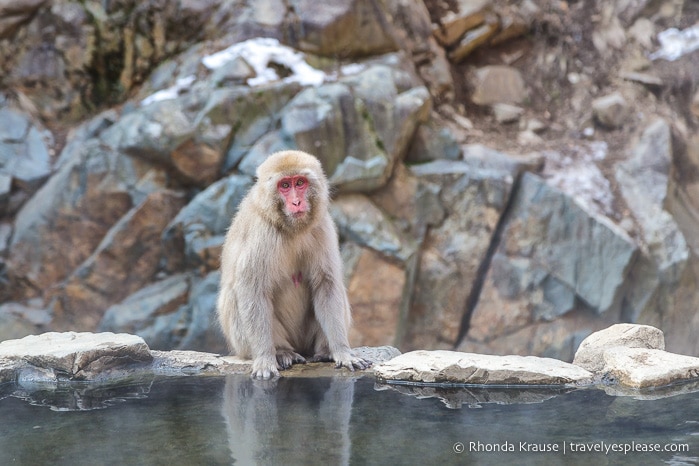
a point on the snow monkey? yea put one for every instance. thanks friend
(282, 298)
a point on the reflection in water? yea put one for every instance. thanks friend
(81, 396)
(235, 420)
(475, 396)
(278, 421)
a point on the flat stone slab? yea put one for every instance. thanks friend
(480, 369)
(52, 357)
(178, 362)
(76, 355)
(590, 353)
(643, 368)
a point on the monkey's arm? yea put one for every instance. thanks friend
(330, 301)
(330, 312)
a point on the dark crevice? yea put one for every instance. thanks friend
(484, 266)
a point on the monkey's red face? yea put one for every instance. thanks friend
(294, 190)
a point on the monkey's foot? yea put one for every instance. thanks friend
(285, 358)
(351, 362)
(264, 368)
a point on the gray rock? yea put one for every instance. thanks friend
(15, 125)
(361, 175)
(5, 192)
(192, 237)
(48, 359)
(361, 221)
(467, 368)
(152, 132)
(353, 28)
(590, 353)
(472, 201)
(506, 113)
(551, 253)
(558, 338)
(13, 14)
(258, 153)
(377, 311)
(630, 10)
(171, 132)
(24, 155)
(244, 115)
(463, 16)
(79, 135)
(137, 313)
(475, 38)
(19, 320)
(650, 80)
(486, 158)
(642, 367)
(376, 354)
(360, 127)
(611, 110)
(433, 141)
(498, 84)
(63, 223)
(395, 100)
(236, 71)
(177, 313)
(77, 355)
(198, 329)
(179, 362)
(323, 121)
(127, 257)
(413, 30)
(644, 182)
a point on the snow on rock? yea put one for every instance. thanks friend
(577, 175)
(171, 92)
(259, 53)
(675, 43)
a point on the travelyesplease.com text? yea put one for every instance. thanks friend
(570, 447)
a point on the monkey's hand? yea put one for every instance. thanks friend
(265, 368)
(350, 361)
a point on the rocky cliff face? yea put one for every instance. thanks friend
(509, 176)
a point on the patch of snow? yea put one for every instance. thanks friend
(171, 92)
(578, 176)
(675, 43)
(259, 53)
(353, 68)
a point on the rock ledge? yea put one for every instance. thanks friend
(627, 356)
(481, 369)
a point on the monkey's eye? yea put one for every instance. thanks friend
(285, 185)
(300, 182)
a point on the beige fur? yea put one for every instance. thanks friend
(281, 297)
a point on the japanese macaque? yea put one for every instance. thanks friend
(282, 298)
